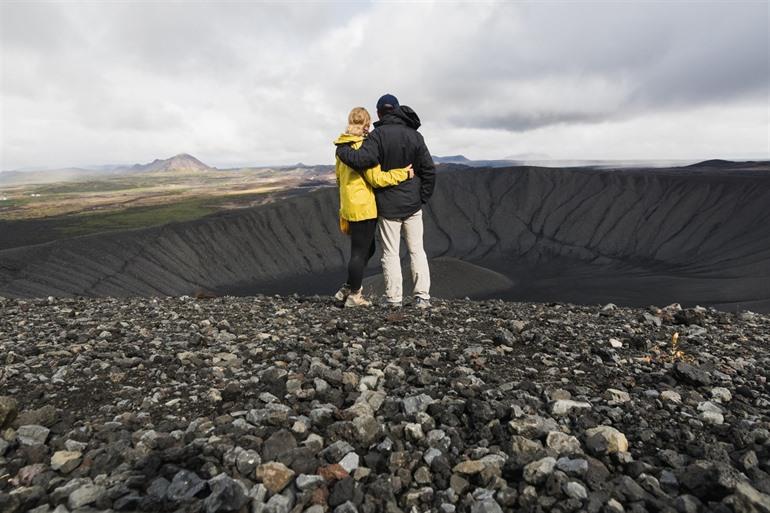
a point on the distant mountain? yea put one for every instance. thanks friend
(452, 159)
(183, 162)
(464, 161)
(729, 164)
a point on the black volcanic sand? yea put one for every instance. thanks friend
(694, 235)
(274, 404)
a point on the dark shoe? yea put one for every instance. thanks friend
(343, 293)
(421, 303)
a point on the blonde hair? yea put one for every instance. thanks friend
(358, 120)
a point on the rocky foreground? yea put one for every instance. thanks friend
(281, 405)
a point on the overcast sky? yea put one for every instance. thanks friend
(237, 83)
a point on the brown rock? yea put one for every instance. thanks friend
(9, 408)
(320, 496)
(469, 467)
(333, 472)
(275, 476)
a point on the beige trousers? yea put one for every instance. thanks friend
(390, 238)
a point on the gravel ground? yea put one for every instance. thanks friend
(291, 404)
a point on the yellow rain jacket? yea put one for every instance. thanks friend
(356, 193)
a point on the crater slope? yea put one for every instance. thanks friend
(692, 235)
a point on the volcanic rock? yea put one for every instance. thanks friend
(605, 439)
(275, 476)
(226, 495)
(8, 411)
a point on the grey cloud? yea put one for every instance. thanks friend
(524, 121)
(263, 81)
(672, 55)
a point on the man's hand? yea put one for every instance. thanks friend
(411, 171)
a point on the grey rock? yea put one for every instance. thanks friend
(538, 471)
(575, 490)
(671, 396)
(563, 443)
(350, 462)
(278, 504)
(486, 506)
(615, 396)
(85, 495)
(346, 507)
(158, 488)
(430, 455)
(306, 482)
(342, 491)
(247, 462)
(226, 495)
(416, 404)
(336, 451)
(61, 493)
(279, 443)
(567, 406)
(605, 440)
(367, 429)
(32, 435)
(9, 409)
(533, 426)
(691, 374)
(577, 467)
(688, 504)
(721, 394)
(749, 500)
(185, 486)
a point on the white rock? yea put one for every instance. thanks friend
(712, 417)
(563, 443)
(414, 431)
(65, 461)
(618, 396)
(671, 396)
(721, 394)
(350, 462)
(576, 490)
(368, 382)
(538, 471)
(709, 406)
(565, 406)
(606, 439)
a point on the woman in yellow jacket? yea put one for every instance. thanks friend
(358, 209)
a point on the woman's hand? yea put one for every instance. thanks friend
(411, 171)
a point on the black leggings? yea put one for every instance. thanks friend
(361, 250)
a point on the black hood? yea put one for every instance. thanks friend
(401, 115)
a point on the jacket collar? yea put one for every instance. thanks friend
(403, 115)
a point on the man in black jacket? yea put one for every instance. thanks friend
(396, 143)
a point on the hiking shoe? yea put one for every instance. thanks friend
(356, 299)
(343, 293)
(391, 304)
(421, 303)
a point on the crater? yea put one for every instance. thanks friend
(695, 235)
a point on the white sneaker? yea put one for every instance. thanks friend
(357, 299)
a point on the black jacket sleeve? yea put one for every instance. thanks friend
(426, 170)
(364, 157)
